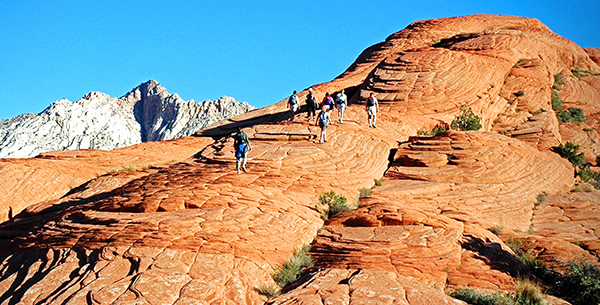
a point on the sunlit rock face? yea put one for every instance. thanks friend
(433, 213)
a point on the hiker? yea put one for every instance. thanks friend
(323, 121)
(311, 105)
(327, 103)
(242, 147)
(372, 109)
(340, 102)
(293, 102)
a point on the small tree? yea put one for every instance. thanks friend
(569, 151)
(467, 120)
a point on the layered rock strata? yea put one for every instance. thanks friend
(197, 232)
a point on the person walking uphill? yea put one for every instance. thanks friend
(327, 103)
(242, 147)
(311, 105)
(323, 122)
(293, 102)
(372, 109)
(340, 102)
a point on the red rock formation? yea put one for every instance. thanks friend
(197, 232)
(27, 181)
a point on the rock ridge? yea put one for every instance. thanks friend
(97, 121)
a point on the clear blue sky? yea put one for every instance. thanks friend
(255, 51)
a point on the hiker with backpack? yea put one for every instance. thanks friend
(323, 121)
(340, 103)
(293, 102)
(372, 109)
(242, 147)
(327, 103)
(311, 105)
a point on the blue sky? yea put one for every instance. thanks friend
(255, 51)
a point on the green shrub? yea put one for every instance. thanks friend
(557, 103)
(572, 114)
(590, 177)
(569, 151)
(294, 267)
(475, 298)
(378, 182)
(579, 72)
(520, 93)
(580, 284)
(331, 204)
(467, 120)
(541, 197)
(437, 129)
(577, 114)
(558, 80)
(564, 116)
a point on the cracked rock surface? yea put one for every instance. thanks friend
(193, 231)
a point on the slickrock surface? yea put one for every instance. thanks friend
(196, 232)
(193, 212)
(27, 181)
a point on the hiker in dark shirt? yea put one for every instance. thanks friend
(323, 121)
(311, 105)
(372, 109)
(242, 147)
(340, 103)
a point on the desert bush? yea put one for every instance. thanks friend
(569, 151)
(580, 284)
(475, 298)
(331, 204)
(529, 293)
(541, 197)
(294, 267)
(378, 182)
(435, 131)
(558, 80)
(590, 177)
(269, 290)
(497, 229)
(577, 114)
(467, 120)
(580, 72)
(520, 93)
(365, 192)
(557, 103)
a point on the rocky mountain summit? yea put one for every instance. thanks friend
(429, 214)
(97, 121)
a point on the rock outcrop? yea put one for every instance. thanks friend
(97, 121)
(196, 232)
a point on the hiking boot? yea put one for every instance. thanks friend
(244, 168)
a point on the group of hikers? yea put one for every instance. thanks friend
(322, 119)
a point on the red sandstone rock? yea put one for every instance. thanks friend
(196, 232)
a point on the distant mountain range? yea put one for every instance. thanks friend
(97, 121)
